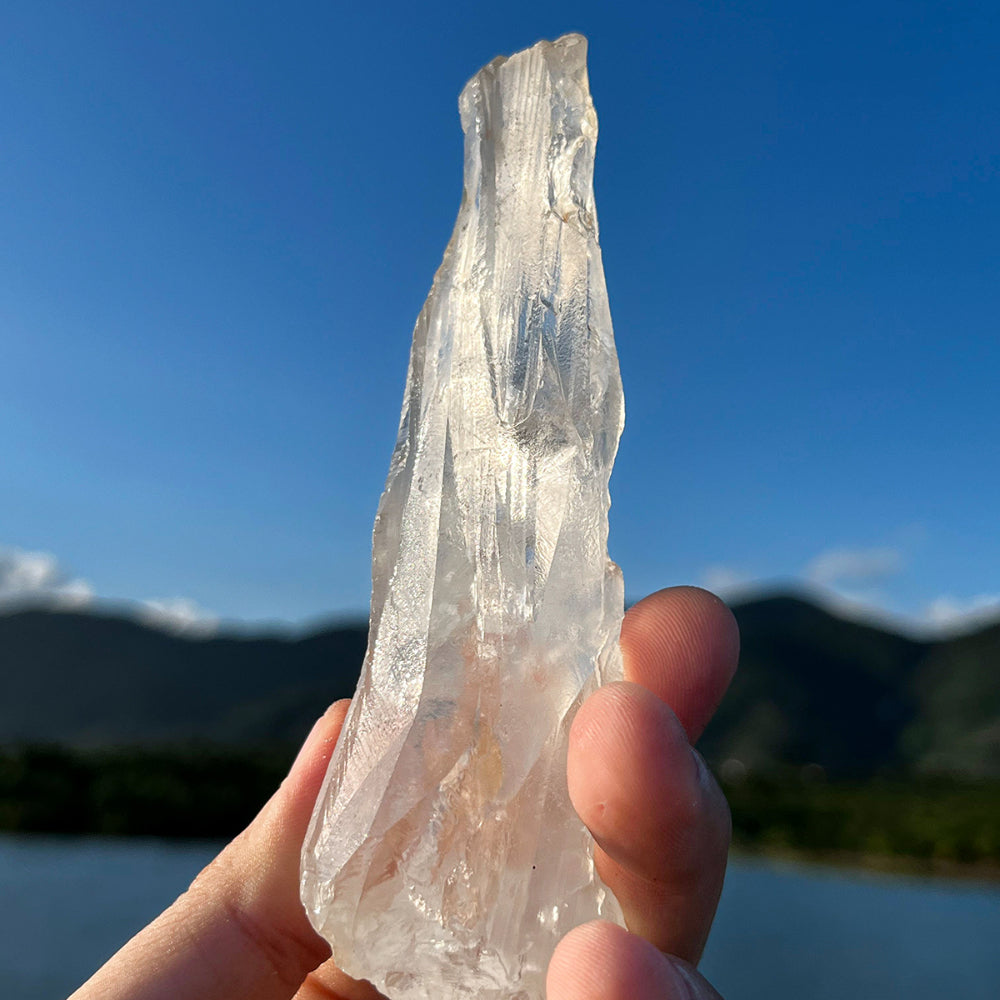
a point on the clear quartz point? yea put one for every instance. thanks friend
(444, 859)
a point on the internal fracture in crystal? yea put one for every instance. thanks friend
(444, 859)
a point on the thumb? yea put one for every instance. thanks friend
(240, 930)
(601, 961)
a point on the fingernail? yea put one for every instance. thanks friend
(314, 732)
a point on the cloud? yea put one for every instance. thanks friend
(37, 578)
(851, 567)
(724, 580)
(180, 615)
(949, 614)
(852, 583)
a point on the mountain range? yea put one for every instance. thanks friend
(813, 689)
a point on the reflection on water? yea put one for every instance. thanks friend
(783, 932)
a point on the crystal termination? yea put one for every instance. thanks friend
(444, 859)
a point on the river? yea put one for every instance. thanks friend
(784, 932)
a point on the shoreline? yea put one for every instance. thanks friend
(983, 873)
(987, 873)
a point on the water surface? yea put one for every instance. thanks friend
(783, 932)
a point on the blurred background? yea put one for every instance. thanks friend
(218, 225)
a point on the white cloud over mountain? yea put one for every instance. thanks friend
(849, 579)
(855, 582)
(725, 580)
(949, 614)
(179, 614)
(853, 567)
(37, 577)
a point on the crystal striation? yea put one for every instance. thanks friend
(444, 859)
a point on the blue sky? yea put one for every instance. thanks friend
(219, 222)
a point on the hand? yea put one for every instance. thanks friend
(660, 822)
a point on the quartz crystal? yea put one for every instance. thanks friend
(444, 859)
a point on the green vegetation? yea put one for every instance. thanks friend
(195, 792)
(214, 792)
(930, 823)
(837, 729)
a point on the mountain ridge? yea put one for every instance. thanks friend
(851, 698)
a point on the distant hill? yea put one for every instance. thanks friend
(815, 688)
(85, 679)
(812, 688)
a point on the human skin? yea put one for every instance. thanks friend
(660, 823)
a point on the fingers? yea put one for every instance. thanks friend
(600, 961)
(682, 644)
(660, 821)
(329, 983)
(240, 929)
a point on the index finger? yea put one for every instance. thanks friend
(682, 644)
